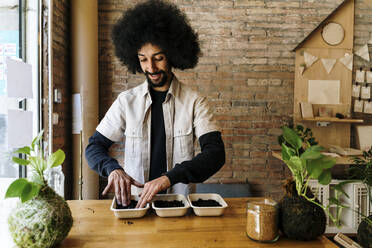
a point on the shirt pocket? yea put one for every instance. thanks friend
(133, 141)
(183, 142)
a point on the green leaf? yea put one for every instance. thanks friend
(15, 188)
(56, 158)
(313, 152)
(287, 152)
(25, 150)
(328, 162)
(37, 139)
(23, 189)
(295, 163)
(314, 168)
(292, 137)
(20, 161)
(326, 177)
(30, 191)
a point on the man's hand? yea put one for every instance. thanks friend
(120, 183)
(151, 189)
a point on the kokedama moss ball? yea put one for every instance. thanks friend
(300, 219)
(364, 234)
(43, 221)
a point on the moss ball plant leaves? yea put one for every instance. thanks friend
(300, 219)
(20, 161)
(56, 159)
(41, 222)
(23, 189)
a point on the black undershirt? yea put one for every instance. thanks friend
(158, 157)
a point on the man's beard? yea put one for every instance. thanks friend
(161, 83)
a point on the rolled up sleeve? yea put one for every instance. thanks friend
(112, 125)
(204, 121)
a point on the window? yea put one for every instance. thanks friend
(17, 40)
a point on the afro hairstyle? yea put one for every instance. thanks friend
(159, 23)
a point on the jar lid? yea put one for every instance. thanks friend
(262, 204)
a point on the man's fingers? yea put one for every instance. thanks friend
(146, 197)
(141, 199)
(128, 191)
(118, 193)
(141, 203)
(123, 193)
(108, 187)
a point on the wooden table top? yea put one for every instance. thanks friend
(96, 226)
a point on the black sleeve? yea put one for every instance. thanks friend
(202, 166)
(97, 156)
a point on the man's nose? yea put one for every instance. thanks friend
(152, 67)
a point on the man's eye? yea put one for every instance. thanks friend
(159, 59)
(142, 60)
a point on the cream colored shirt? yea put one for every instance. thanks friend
(187, 116)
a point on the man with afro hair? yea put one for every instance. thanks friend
(161, 117)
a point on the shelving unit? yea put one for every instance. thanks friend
(332, 119)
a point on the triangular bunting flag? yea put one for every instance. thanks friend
(328, 64)
(302, 69)
(347, 61)
(309, 59)
(363, 52)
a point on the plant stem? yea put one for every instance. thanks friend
(334, 220)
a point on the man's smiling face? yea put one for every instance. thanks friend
(155, 66)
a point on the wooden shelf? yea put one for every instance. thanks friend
(339, 160)
(332, 119)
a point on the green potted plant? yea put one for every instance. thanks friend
(42, 218)
(301, 216)
(362, 171)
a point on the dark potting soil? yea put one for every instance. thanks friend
(132, 205)
(168, 204)
(206, 203)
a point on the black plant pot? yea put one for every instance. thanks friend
(364, 234)
(300, 219)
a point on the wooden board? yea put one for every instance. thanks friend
(317, 72)
(338, 134)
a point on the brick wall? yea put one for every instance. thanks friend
(247, 71)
